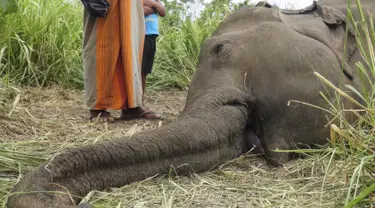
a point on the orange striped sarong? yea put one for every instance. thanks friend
(112, 56)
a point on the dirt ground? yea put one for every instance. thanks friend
(46, 121)
(67, 108)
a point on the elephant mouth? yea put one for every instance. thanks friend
(237, 103)
(252, 129)
(232, 106)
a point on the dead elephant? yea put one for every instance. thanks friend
(254, 63)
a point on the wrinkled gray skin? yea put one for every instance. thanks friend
(255, 62)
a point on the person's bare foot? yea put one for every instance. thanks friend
(102, 116)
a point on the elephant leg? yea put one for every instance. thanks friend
(252, 142)
(273, 142)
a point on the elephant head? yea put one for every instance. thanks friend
(255, 62)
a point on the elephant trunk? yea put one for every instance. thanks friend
(205, 136)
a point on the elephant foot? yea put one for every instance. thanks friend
(253, 142)
(277, 159)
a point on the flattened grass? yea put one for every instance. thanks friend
(57, 120)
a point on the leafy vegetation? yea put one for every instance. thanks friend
(7, 6)
(43, 40)
(357, 141)
(181, 37)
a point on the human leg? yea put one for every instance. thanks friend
(149, 50)
(147, 65)
(133, 43)
(90, 69)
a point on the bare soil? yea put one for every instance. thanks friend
(46, 121)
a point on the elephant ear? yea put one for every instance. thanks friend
(333, 18)
(263, 4)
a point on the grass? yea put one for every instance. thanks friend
(40, 46)
(42, 43)
(178, 47)
(360, 137)
(244, 182)
(355, 141)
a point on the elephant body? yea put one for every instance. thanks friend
(256, 61)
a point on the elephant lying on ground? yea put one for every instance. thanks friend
(254, 63)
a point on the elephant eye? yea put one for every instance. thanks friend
(222, 49)
(218, 48)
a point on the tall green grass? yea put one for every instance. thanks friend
(179, 44)
(355, 142)
(42, 42)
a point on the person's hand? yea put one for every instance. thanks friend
(149, 3)
(156, 6)
(147, 10)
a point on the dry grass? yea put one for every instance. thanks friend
(47, 121)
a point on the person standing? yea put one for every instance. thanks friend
(152, 10)
(112, 58)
